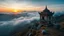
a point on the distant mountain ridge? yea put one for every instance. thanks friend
(7, 17)
(58, 13)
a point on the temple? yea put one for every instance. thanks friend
(46, 15)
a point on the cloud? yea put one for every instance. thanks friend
(21, 19)
(23, 22)
(22, 4)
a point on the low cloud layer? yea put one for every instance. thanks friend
(7, 26)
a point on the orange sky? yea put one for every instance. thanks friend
(20, 10)
(30, 5)
(8, 10)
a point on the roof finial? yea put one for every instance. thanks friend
(46, 7)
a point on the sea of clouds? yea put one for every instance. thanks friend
(18, 23)
(8, 26)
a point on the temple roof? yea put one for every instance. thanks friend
(46, 11)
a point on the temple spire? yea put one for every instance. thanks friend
(46, 7)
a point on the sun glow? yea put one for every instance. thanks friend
(15, 11)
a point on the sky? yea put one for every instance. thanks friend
(30, 5)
